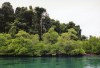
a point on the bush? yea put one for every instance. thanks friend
(92, 45)
(23, 34)
(23, 51)
(4, 39)
(72, 46)
(77, 52)
(19, 45)
(51, 36)
(41, 49)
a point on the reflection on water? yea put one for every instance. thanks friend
(50, 62)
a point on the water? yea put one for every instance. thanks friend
(53, 62)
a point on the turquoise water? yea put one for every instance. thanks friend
(50, 62)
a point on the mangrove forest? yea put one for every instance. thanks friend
(28, 31)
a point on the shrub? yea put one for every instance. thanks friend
(51, 36)
(77, 52)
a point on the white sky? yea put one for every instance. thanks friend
(85, 13)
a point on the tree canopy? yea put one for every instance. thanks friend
(31, 32)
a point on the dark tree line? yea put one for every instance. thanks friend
(33, 21)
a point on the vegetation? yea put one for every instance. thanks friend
(31, 32)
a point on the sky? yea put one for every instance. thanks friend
(85, 13)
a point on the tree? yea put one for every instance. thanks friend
(14, 28)
(39, 14)
(92, 45)
(1, 21)
(24, 16)
(76, 27)
(70, 25)
(70, 35)
(83, 37)
(56, 24)
(63, 28)
(51, 36)
(33, 33)
(8, 13)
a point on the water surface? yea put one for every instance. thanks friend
(50, 62)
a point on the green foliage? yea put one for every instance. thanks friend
(72, 34)
(7, 15)
(40, 49)
(56, 49)
(51, 36)
(77, 52)
(23, 34)
(70, 46)
(65, 37)
(4, 39)
(13, 31)
(34, 21)
(92, 45)
(20, 46)
(31, 32)
(24, 44)
(23, 51)
(35, 39)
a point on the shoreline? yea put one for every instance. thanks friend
(50, 55)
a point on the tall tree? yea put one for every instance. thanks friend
(39, 14)
(8, 13)
(1, 21)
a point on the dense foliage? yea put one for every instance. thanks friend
(31, 32)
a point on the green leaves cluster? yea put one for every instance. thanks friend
(53, 44)
(25, 44)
